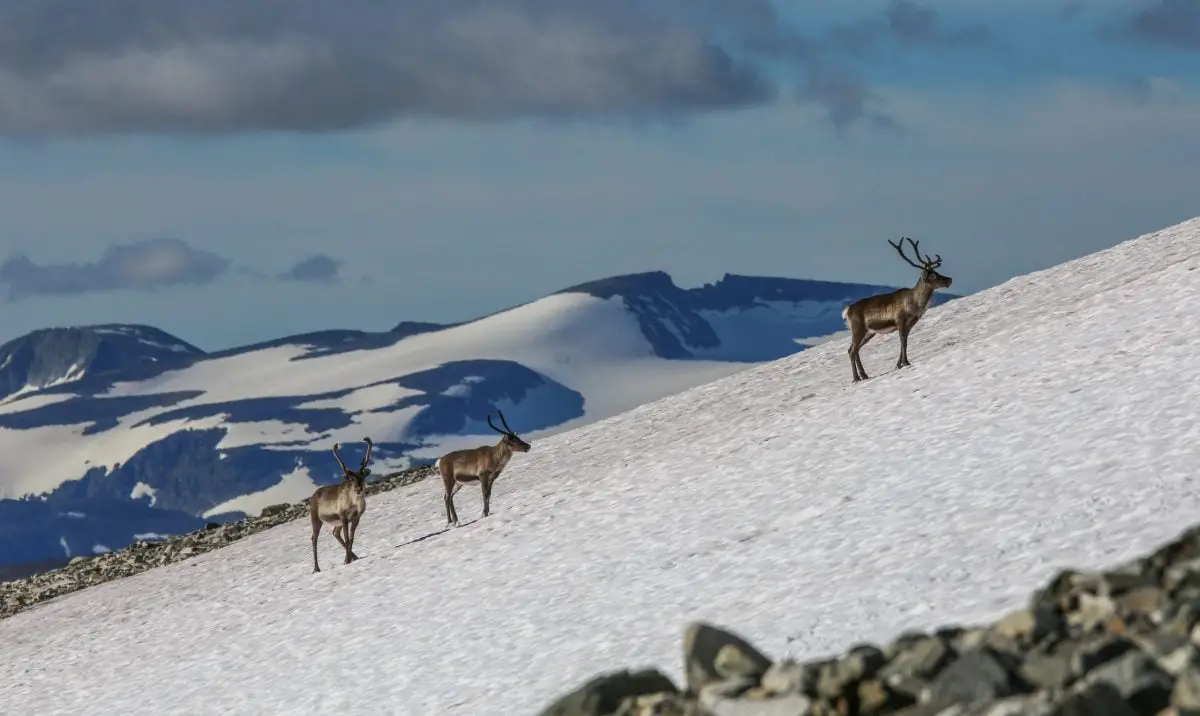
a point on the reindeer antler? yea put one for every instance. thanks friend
(929, 263)
(338, 455)
(367, 457)
(507, 430)
(926, 262)
(493, 427)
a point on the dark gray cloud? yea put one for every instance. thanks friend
(317, 268)
(913, 24)
(139, 266)
(85, 67)
(844, 95)
(842, 90)
(906, 24)
(1071, 9)
(1174, 23)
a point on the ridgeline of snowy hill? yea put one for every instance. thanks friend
(1048, 421)
(90, 417)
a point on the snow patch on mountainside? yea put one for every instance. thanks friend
(561, 336)
(743, 331)
(592, 345)
(292, 487)
(141, 490)
(74, 373)
(32, 402)
(67, 452)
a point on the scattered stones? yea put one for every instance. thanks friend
(271, 510)
(87, 571)
(1122, 642)
(621, 692)
(714, 656)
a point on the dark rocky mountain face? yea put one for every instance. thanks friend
(54, 356)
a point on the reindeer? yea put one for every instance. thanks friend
(896, 311)
(341, 505)
(482, 464)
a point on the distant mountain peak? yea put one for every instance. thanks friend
(49, 357)
(648, 281)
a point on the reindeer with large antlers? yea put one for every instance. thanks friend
(341, 505)
(482, 464)
(897, 311)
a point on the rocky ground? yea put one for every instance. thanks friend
(19, 595)
(1121, 642)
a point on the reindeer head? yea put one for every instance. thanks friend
(928, 266)
(360, 475)
(510, 438)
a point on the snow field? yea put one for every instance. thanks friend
(1047, 422)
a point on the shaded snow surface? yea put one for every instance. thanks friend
(1049, 421)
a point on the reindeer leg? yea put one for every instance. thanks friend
(859, 337)
(453, 513)
(858, 353)
(485, 485)
(341, 532)
(338, 531)
(350, 532)
(316, 529)
(903, 330)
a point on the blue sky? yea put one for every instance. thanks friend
(233, 171)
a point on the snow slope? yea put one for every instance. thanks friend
(132, 413)
(1049, 421)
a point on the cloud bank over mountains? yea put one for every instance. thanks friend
(72, 67)
(145, 265)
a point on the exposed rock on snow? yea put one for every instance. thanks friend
(1121, 641)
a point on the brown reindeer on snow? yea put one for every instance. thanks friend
(482, 464)
(897, 311)
(341, 505)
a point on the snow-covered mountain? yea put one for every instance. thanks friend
(57, 356)
(1046, 422)
(93, 416)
